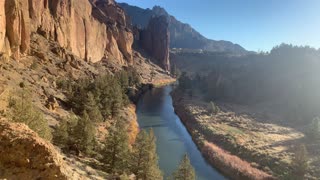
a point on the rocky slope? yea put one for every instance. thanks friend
(182, 35)
(41, 74)
(52, 41)
(92, 30)
(24, 155)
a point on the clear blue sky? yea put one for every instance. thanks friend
(254, 24)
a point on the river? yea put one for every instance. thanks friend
(155, 110)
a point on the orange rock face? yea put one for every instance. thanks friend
(91, 29)
(24, 155)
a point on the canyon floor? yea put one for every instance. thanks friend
(238, 139)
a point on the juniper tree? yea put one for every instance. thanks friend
(65, 135)
(214, 109)
(84, 134)
(92, 108)
(299, 163)
(61, 134)
(144, 159)
(123, 79)
(23, 111)
(185, 170)
(314, 129)
(116, 150)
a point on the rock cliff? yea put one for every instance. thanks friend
(155, 39)
(91, 29)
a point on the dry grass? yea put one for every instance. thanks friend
(251, 143)
(233, 165)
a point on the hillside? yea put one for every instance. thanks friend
(69, 75)
(181, 35)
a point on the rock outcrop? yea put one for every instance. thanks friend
(73, 24)
(24, 155)
(155, 39)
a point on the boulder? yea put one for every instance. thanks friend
(24, 155)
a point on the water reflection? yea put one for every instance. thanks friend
(155, 111)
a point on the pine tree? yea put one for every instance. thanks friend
(23, 111)
(123, 79)
(64, 135)
(299, 163)
(116, 151)
(92, 108)
(84, 133)
(314, 129)
(144, 160)
(185, 170)
(61, 134)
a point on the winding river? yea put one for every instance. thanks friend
(155, 110)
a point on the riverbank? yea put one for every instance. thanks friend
(216, 139)
(155, 110)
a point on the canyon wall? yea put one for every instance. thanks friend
(91, 29)
(155, 39)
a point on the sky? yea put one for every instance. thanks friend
(256, 25)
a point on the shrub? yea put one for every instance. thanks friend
(214, 109)
(314, 129)
(76, 134)
(34, 65)
(23, 111)
(299, 163)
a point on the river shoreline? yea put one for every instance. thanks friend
(230, 165)
(155, 110)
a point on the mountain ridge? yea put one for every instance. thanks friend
(182, 35)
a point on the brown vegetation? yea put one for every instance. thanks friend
(231, 164)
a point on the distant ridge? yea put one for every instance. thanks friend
(181, 35)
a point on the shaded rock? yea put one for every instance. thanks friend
(155, 40)
(52, 103)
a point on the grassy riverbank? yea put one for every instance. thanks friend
(236, 143)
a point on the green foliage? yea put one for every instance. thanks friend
(314, 129)
(22, 85)
(34, 65)
(185, 170)
(214, 109)
(299, 163)
(92, 108)
(106, 94)
(23, 111)
(64, 84)
(144, 159)
(123, 79)
(116, 150)
(61, 134)
(84, 134)
(76, 134)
